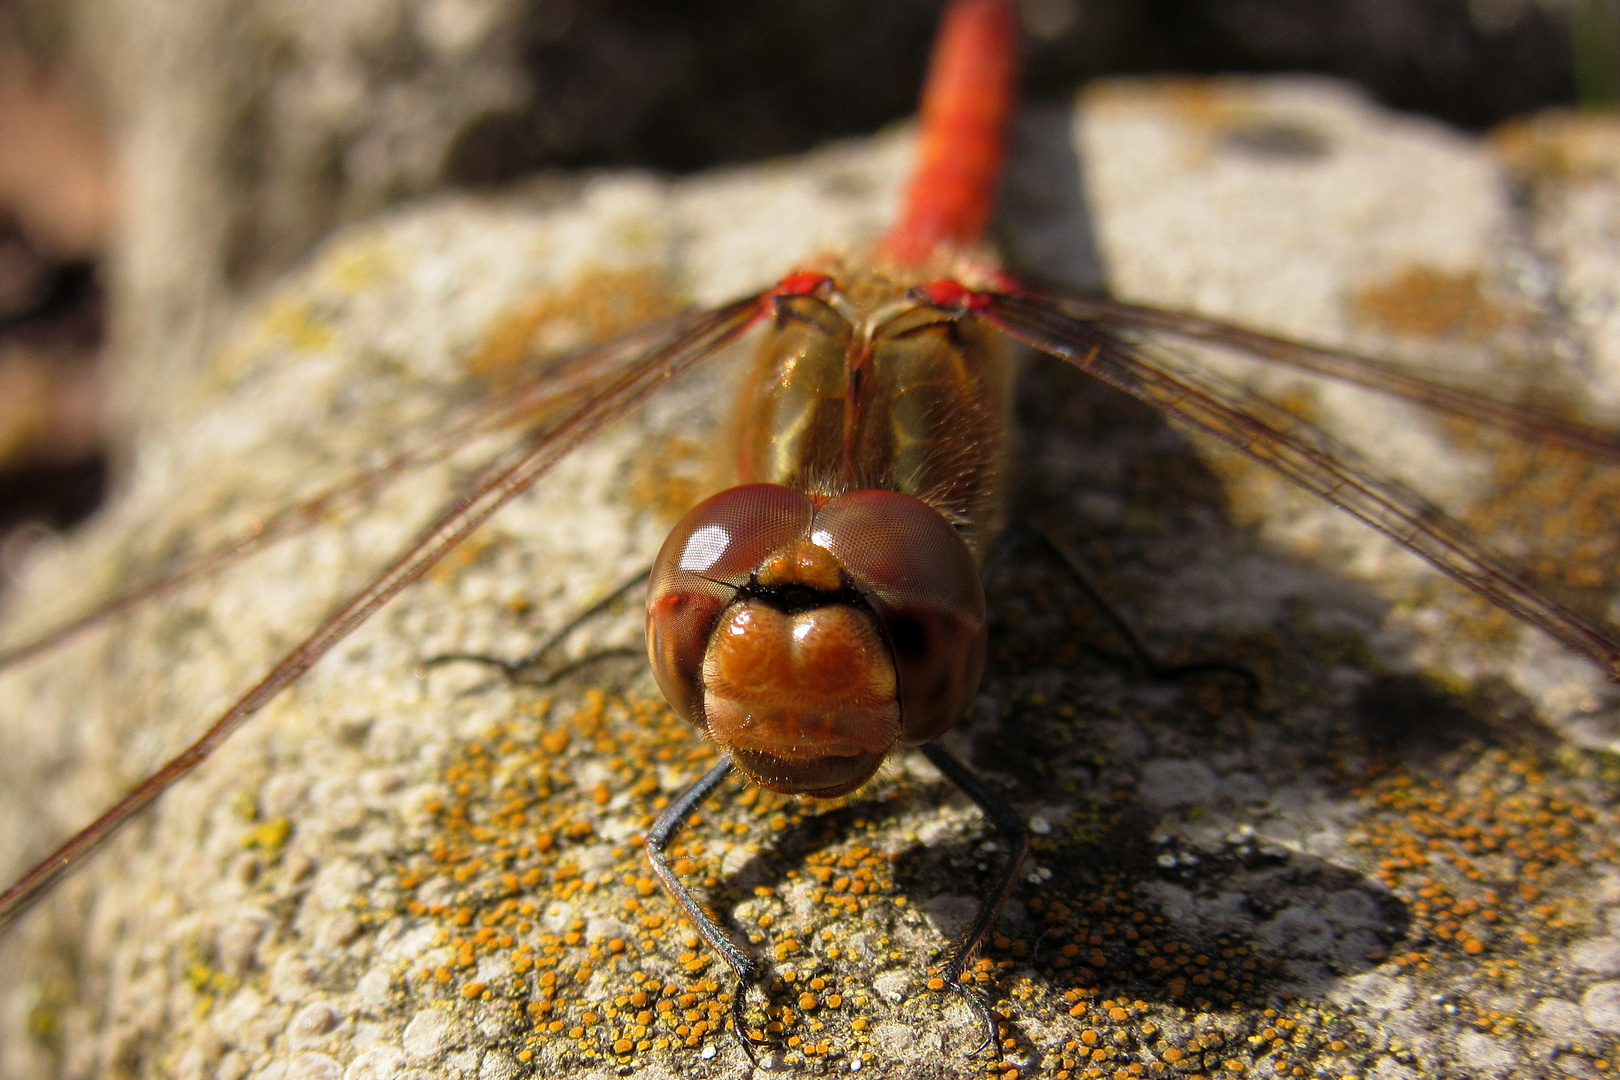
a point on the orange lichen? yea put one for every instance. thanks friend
(1559, 507)
(1562, 145)
(1481, 870)
(596, 307)
(1425, 301)
(504, 853)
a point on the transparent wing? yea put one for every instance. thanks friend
(546, 394)
(1530, 423)
(1303, 453)
(590, 408)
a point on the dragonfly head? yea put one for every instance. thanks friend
(809, 641)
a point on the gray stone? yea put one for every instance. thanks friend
(375, 987)
(1563, 1020)
(1298, 931)
(377, 1063)
(1352, 909)
(238, 939)
(1389, 1069)
(427, 1034)
(1376, 991)
(1601, 1006)
(311, 1024)
(952, 912)
(1168, 784)
(1243, 789)
(1600, 955)
(498, 1065)
(893, 985)
(313, 1067)
(1482, 1054)
(1575, 1065)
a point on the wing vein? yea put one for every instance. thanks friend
(1306, 455)
(686, 346)
(1346, 366)
(571, 376)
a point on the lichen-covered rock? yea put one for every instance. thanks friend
(410, 866)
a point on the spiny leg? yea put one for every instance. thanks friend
(748, 970)
(1019, 534)
(518, 670)
(1011, 826)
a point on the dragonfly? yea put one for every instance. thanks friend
(875, 423)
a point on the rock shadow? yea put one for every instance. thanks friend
(1124, 914)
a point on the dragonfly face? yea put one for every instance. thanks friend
(809, 641)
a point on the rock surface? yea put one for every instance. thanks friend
(410, 868)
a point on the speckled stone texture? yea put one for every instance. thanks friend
(1398, 862)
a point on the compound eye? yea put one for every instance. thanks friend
(709, 554)
(924, 584)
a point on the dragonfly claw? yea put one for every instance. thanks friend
(739, 1023)
(981, 1006)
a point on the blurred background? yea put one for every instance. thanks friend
(160, 162)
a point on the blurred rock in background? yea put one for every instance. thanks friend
(244, 132)
(55, 218)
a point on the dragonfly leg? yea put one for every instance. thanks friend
(523, 668)
(1142, 659)
(1011, 827)
(747, 969)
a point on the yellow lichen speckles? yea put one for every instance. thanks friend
(1106, 935)
(208, 983)
(362, 266)
(269, 836)
(298, 322)
(44, 1020)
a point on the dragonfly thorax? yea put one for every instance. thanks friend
(859, 384)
